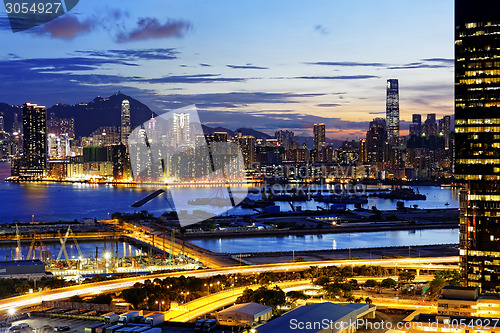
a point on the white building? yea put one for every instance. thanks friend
(244, 314)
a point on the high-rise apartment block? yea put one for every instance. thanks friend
(477, 139)
(34, 161)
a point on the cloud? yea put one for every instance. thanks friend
(347, 64)
(268, 122)
(233, 99)
(445, 60)
(196, 78)
(321, 29)
(328, 105)
(249, 66)
(66, 27)
(339, 77)
(135, 54)
(418, 65)
(423, 63)
(205, 65)
(151, 28)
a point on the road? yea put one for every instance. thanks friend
(211, 303)
(119, 284)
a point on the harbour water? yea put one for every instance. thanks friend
(66, 201)
(331, 241)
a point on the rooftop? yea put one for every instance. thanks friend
(20, 263)
(253, 309)
(314, 314)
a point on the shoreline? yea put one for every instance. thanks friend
(322, 231)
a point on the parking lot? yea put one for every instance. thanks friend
(78, 326)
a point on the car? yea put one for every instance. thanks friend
(61, 328)
(14, 328)
(5, 324)
(23, 325)
(46, 327)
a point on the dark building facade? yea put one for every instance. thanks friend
(376, 141)
(416, 125)
(34, 140)
(319, 136)
(477, 139)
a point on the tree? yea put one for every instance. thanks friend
(436, 286)
(321, 281)
(76, 299)
(295, 295)
(368, 300)
(102, 299)
(134, 296)
(452, 278)
(388, 283)
(406, 277)
(371, 283)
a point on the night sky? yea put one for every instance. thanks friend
(262, 64)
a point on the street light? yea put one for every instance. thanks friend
(160, 304)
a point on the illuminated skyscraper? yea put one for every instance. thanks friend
(125, 121)
(392, 111)
(477, 139)
(181, 129)
(319, 140)
(416, 125)
(34, 140)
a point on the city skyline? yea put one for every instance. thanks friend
(282, 74)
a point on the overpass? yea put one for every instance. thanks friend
(119, 284)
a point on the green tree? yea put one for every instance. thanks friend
(322, 281)
(134, 296)
(102, 299)
(371, 283)
(435, 287)
(406, 277)
(295, 295)
(388, 283)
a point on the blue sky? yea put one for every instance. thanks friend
(261, 64)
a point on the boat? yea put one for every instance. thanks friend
(404, 193)
(261, 203)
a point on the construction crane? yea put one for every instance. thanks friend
(32, 247)
(63, 241)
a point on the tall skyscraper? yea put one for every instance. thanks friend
(125, 121)
(181, 126)
(2, 127)
(247, 144)
(477, 139)
(430, 126)
(285, 138)
(392, 111)
(416, 125)
(34, 140)
(319, 136)
(16, 125)
(376, 141)
(445, 130)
